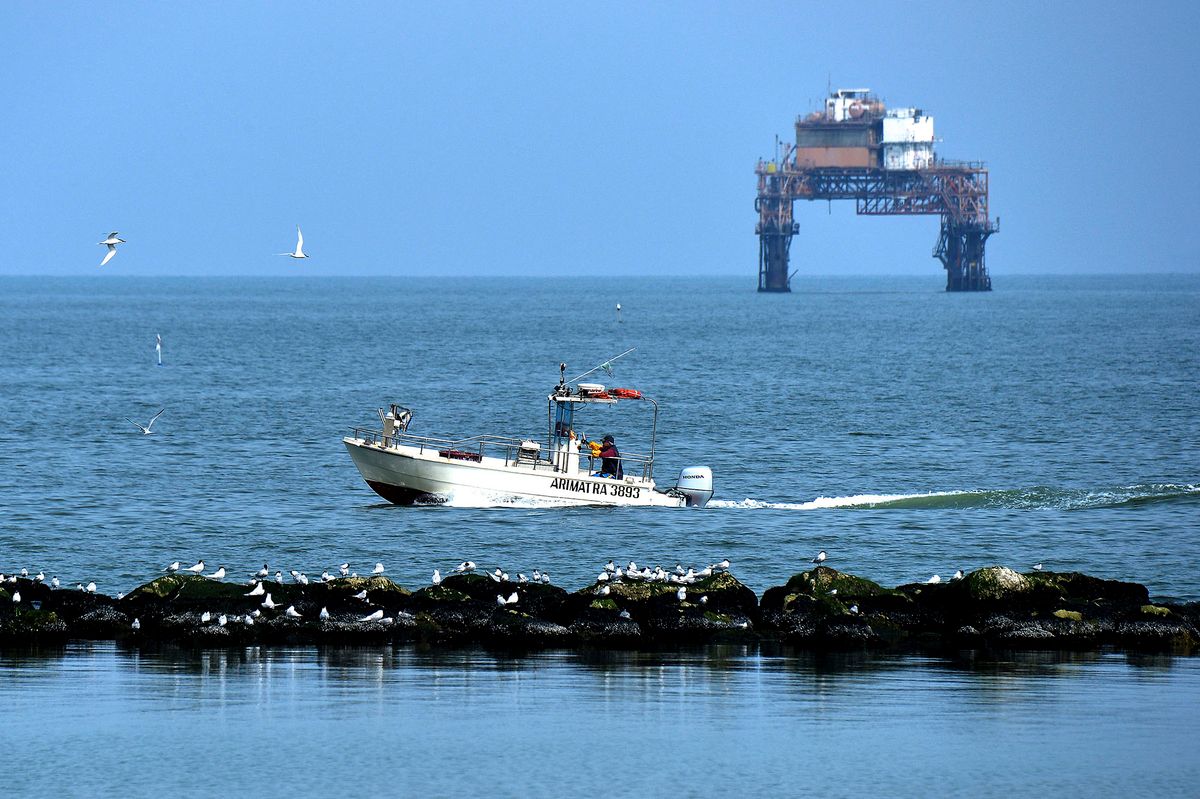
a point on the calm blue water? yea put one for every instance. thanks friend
(904, 430)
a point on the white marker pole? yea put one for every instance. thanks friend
(158, 347)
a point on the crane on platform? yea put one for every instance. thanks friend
(883, 159)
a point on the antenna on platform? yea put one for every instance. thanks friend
(606, 366)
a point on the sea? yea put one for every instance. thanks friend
(904, 430)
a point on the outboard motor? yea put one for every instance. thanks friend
(695, 483)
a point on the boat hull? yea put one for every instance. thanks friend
(406, 475)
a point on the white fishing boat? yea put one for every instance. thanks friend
(562, 468)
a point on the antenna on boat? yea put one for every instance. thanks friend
(606, 366)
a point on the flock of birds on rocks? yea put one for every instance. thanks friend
(612, 573)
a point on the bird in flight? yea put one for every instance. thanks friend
(146, 427)
(111, 242)
(299, 253)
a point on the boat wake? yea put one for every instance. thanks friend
(1017, 498)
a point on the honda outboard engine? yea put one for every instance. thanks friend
(695, 483)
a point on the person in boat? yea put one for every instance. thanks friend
(610, 459)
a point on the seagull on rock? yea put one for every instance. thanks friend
(344, 569)
(205, 617)
(199, 567)
(16, 597)
(361, 595)
(219, 574)
(437, 577)
(958, 575)
(324, 614)
(111, 242)
(259, 590)
(174, 567)
(222, 620)
(378, 569)
(291, 612)
(1037, 567)
(137, 625)
(820, 558)
(269, 603)
(263, 572)
(91, 588)
(934, 580)
(466, 566)
(376, 616)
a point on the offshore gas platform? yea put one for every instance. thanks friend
(883, 159)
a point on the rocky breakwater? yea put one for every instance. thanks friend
(994, 607)
(821, 608)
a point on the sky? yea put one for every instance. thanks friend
(466, 139)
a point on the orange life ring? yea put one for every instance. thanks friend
(626, 393)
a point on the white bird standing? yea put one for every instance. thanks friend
(219, 574)
(934, 580)
(512, 599)
(291, 612)
(174, 567)
(263, 572)
(344, 569)
(111, 242)
(91, 588)
(137, 625)
(299, 253)
(199, 567)
(269, 603)
(259, 590)
(361, 595)
(205, 617)
(16, 597)
(54, 582)
(324, 614)
(958, 575)
(146, 428)
(1037, 567)
(222, 620)
(820, 558)
(378, 569)
(437, 577)
(376, 616)
(158, 347)
(681, 594)
(465, 566)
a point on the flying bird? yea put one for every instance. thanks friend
(146, 428)
(299, 253)
(111, 242)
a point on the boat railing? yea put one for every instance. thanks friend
(509, 449)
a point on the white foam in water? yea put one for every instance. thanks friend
(475, 498)
(831, 502)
